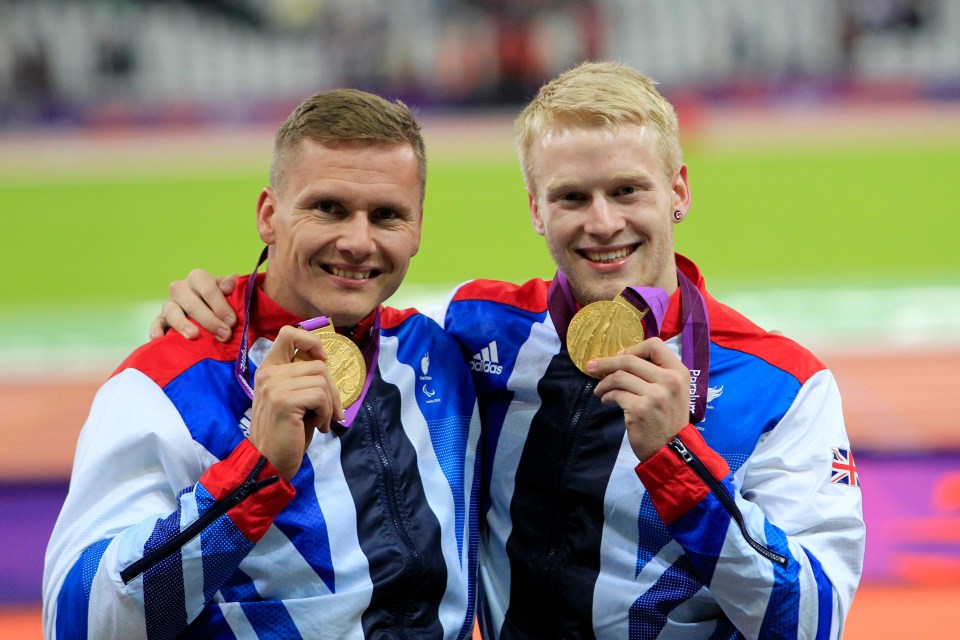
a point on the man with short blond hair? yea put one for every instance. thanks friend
(203, 502)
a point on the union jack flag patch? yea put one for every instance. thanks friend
(844, 469)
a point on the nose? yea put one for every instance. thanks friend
(355, 237)
(603, 219)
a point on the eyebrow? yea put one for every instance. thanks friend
(563, 184)
(633, 176)
(310, 198)
(567, 184)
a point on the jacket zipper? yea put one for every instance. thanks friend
(725, 499)
(585, 393)
(391, 489)
(247, 488)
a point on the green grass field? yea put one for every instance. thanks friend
(758, 219)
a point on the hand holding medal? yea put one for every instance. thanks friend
(602, 329)
(344, 360)
(296, 393)
(618, 342)
(294, 396)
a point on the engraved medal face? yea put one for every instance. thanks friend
(345, 362)
(603, 328)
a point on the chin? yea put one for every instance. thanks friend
(346, 318)
(606, 288)
(586, 295)
(350, 310)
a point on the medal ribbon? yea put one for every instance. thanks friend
(694, 344)
(652, 298)
(561, 305)
(694, 334)
(241, 369)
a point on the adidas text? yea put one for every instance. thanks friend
(486, 367)
(487, 360)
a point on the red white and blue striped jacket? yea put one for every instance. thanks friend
(747, 537)
(175, 524)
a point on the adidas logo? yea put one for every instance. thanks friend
(486, 360)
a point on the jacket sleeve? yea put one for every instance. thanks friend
(153, 525)
(779, 544)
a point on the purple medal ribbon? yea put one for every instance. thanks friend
(561, 305)
(652, 298)
(695, 344)
(694, 333)
(241, 369)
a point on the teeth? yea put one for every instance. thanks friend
(606, 256)
(355, 275)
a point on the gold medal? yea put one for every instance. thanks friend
(603, 328)
(345, 362)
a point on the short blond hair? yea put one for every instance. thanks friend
(598, 95)
(347, 115)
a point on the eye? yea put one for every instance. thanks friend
(326, 206)
(627, 190)
(572, 197)
(383, 215)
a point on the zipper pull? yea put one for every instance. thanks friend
(677, 445)
(243, 491)
(250, 485)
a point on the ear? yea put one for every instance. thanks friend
(418, 231)
(535, 216)
(266, 208)
(681, 191)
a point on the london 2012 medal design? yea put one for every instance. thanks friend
(603, 328)
(345, 363)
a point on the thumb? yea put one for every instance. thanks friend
(289, 341)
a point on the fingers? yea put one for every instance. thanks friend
(650, 360)
(294, 341)
(652, 386)
(647, 379)
(172, 317)
(335, 397)
(157, 328)
(315, 351)
(213, 291)
(649, 369)
(297, 387)
(328, 407)
(200, 297)
(227, 286)
(307, 347)
(292, 399)
(641, 387)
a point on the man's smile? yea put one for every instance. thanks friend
(351, 274)
(607, 255)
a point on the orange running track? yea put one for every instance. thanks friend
(878, 613)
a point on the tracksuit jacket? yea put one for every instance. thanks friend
(175, 524)
(749, 525)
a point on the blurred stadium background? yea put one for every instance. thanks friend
(823, 140)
